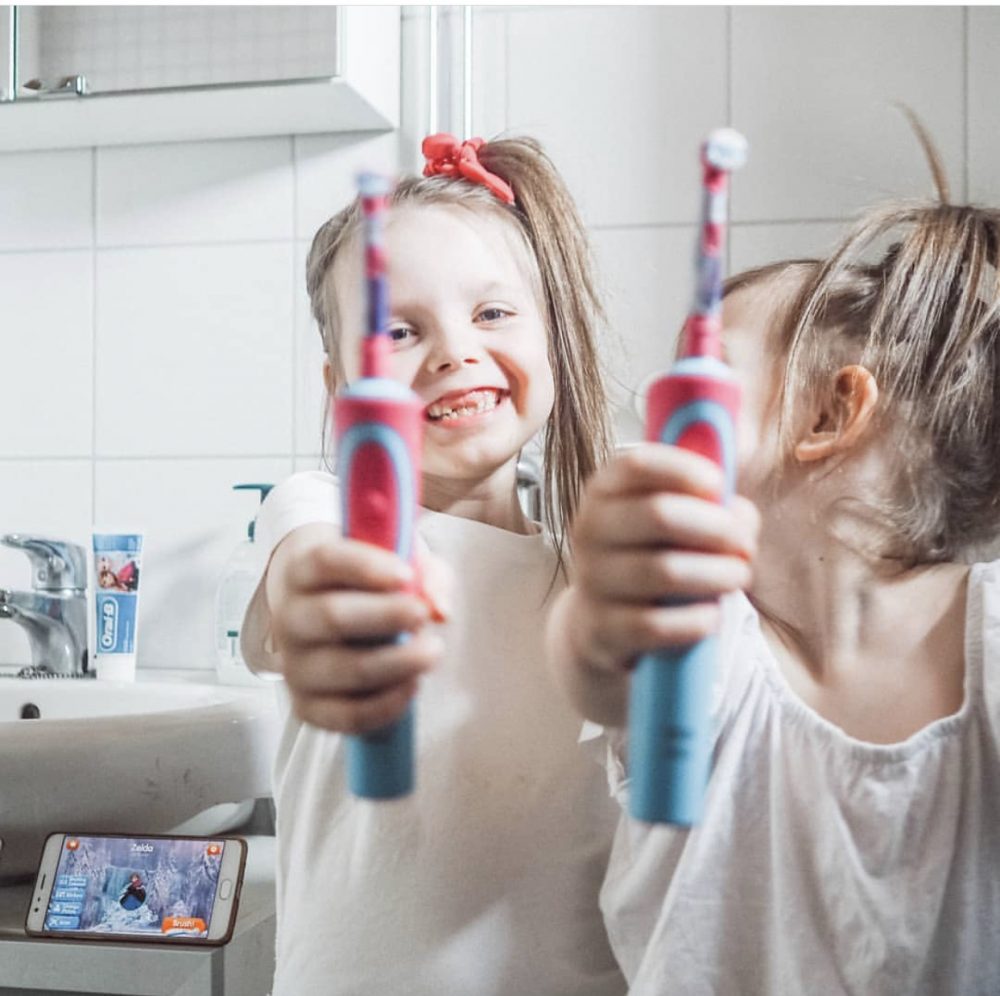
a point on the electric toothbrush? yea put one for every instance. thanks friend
(379, 431)
(693, 406)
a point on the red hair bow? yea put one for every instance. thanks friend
(447, 156)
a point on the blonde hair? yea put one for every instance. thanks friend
(577, 434)
(924, 318)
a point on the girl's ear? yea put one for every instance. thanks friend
(842, 417)
(328, 377)
(334, 377)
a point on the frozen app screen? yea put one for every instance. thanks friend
(135, 885)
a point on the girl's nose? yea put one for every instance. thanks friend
(452, 349)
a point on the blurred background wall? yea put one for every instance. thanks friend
(156, 345)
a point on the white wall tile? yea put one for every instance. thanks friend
(984, 85)
(310, 391)
(450, 65)
(648, 281)
(46, 378)
(46, 199)
(489, 73)
(194, 351)
(813, 89)
(195, 192)
(326, 169)
(41, 498)
(414, 97)
(622, 98)
(192, 521)
(756, 245)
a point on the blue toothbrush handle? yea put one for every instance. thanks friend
(380, 764)
(670, 746)
(670, 728)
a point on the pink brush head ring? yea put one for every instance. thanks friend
(725, 150)
(373, 191)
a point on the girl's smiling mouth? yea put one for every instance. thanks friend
(461, 406)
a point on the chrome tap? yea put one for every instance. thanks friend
(54, 612)
(530, 481)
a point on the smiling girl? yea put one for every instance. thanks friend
(485, 879)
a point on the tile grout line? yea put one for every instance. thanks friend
(598, 227)
(93, 332)
(728, 44)
(694, 223)
(93, 459)
(506, 71)
(140, 246)
(966, 170)
(295, 301)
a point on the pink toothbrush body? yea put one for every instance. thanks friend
(379, 429)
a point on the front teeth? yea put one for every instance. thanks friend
(487, 401)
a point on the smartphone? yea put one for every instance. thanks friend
(114, 887)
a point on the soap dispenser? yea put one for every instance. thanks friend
(236, 588)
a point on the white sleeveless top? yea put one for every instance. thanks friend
(485, 881)
(823, 864)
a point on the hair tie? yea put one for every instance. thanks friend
(447, 156)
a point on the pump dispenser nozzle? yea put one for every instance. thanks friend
(264, 490)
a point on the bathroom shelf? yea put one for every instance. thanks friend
(362, 96)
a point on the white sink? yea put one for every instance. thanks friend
(124, 758)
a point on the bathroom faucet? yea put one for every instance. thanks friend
(54, 612)
(529, 485)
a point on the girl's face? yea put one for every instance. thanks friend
(468, 335)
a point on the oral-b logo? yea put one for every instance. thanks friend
(144, 848)
(109, 624)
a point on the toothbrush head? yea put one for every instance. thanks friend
(725, 149)
(373, 185)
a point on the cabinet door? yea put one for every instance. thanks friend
(114, 74)
(122, 49)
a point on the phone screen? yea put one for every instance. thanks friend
(135, 886)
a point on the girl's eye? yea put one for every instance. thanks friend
(492, 314)
(400, 334)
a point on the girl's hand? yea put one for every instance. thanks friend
(648, 531)
(336, 605)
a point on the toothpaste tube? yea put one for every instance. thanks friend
(117, 559)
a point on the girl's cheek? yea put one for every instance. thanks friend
(404, 367)
(746, 438)
(753, 456)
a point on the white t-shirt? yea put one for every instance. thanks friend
(485, 880)
(823, 864)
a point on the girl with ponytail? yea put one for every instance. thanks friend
(484, 880)
(851, 835)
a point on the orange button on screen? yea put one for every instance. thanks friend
(185, 923)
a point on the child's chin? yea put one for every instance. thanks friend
(477, 458)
